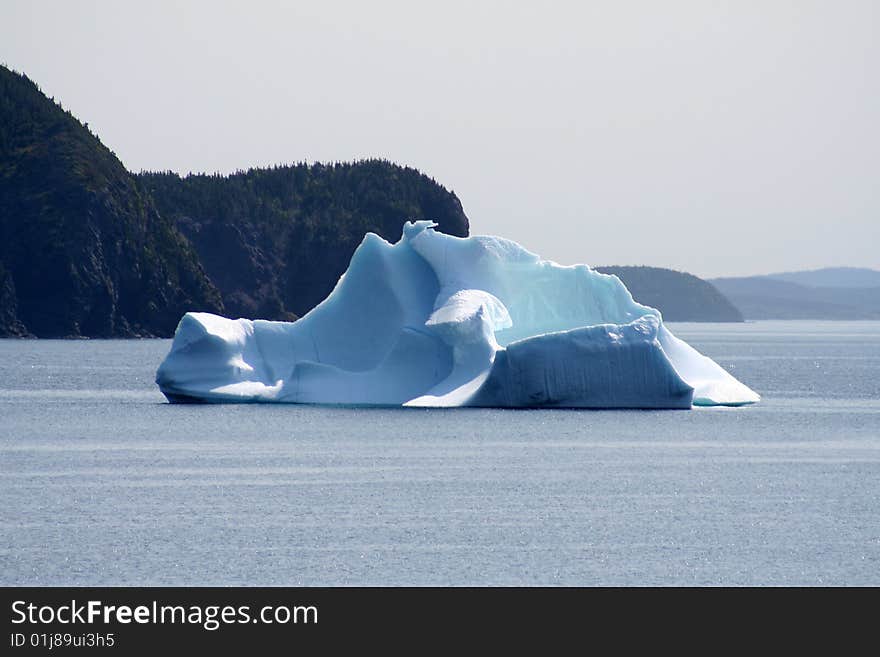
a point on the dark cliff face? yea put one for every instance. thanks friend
(275, 241)
(680, 297)
(10, 324)
(83, 250)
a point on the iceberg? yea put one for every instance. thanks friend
(439, 321)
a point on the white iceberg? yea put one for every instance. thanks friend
(436, 320)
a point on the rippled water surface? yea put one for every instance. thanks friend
(102, 482)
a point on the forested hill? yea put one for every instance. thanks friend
(88, 249)
(275, 241)
(83, 251)
(679, 296)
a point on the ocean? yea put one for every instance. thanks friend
(104, 483)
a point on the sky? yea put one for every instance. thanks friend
(719, 138)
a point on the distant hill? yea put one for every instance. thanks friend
(88, 249)
(832, 277)
(679, 296)
(83, 250)
(773, 297)
(275, 241)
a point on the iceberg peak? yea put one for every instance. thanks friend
(413, 228)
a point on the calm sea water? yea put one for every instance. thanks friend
(101, 482)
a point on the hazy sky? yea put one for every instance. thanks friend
(715, 137)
